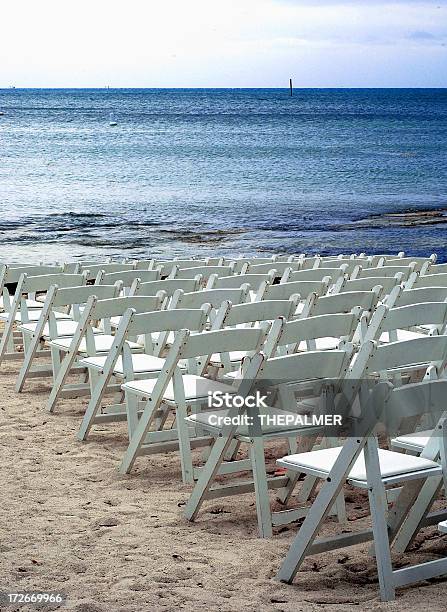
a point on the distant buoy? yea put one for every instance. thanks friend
(1, 113)
(112, 122)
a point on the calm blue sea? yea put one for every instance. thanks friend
(226, 171)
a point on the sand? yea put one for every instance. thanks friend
(70, 523)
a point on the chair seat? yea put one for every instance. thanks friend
(33, 315)
(141, 362)
(403, 334)
(196, 387)
(30, 303)
(414, 441)
(235, 357)
(65, 328)
(320, 462)
(322, 344)
(103, 344)
(209, 419)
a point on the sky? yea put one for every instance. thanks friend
(223, 43)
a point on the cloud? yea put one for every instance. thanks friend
(421, 35)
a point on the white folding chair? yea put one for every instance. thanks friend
(362, 464)
(93, 338)
(310, 369)
(251, 314)
(19, 312)
(180, 392)
(10, 276)
(121, 365)
(37, 335)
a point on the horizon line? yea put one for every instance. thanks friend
(285, 87)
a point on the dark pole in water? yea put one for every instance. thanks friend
(291, 87)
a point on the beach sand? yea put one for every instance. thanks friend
(70, 523)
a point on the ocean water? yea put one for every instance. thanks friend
(218, 171)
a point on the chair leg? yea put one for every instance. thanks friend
(7, 342)
(208, 473)
(261, 488)
(306, 443)
(33, 347)
(379, 509)
(412, 515)
(60, 375)
(138, 436)
(184, 444)
(56, 361)
(132, 402)
(319, 510)
(94, 404)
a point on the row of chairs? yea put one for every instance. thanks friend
(155, 349)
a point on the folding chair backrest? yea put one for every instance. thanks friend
(243, 263)
(317, 274)
(419, 262)
(279, 266)
(117, 306)
(169, 285)
(434, 269)
(167, 267)
(93, 270)
(307, 366)
(341, 326)
(413, 315)
(127, 277)
(415, 400)
(405, 354)
(223, 341)
(386, 271)
(290, 258)
(284, 291)
(390, 320)
(237, 280)
(75, 266)
(423, 294)
(417, 281)
(31, 284)
(215, 297)
(189, 263)
(9, 274)
(204, 271)
(342, 302)
(349, 265)
(79, 295)
(253, 312)
(168, 320)
(369, 283)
